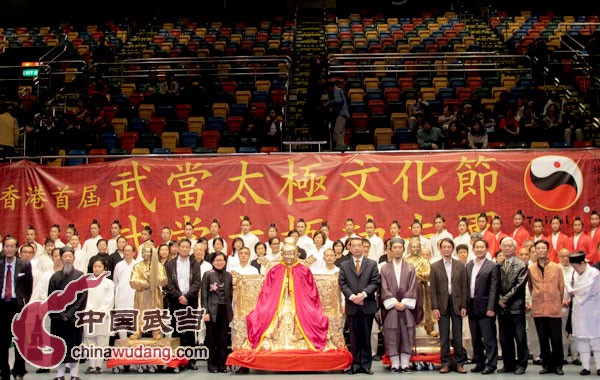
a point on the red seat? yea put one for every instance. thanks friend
(360, 120)
(128, 140)
(157, 125)
(211, 139)
(182, 111)
(97, 152)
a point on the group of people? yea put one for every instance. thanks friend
(492, 279)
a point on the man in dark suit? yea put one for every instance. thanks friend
(511, 316)
(448, 292)
(183, 284)
(483, 276)
(16, 282)
(359, 280)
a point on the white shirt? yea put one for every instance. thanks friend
(232, 261)
(90, 246)
(183, 274)
(448, 267)
(476, 267)
(58, 243)
(306, 243)
(250, 241)
(568, 280)
(376, 247)
(124, 293)
(101, 298)
(555, 239)
(248, 269)
(112, 245)
(324, 270)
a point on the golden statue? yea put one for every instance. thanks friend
(423, 270)
(147, 278)
(288, 314)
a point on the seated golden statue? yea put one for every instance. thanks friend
(147, 278)
(423, 270)
(286, 311)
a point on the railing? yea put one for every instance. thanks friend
(428, 63)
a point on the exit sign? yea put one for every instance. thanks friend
(28, 73)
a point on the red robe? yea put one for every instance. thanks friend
(490, 239)
(564, 241)
(496, 242)
(543, 237)
(595, 236)
(584, 244)
(520, 234)
(309, 311)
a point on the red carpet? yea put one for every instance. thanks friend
(171, 364)
(291, 360)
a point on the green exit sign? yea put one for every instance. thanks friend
(27, 73)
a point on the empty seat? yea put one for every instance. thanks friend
(170, 140)
(140, 151)
(189, 139)
(247, 149)
(77, 160)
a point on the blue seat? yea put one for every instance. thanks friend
(404, 136)
(247, 149)
(165, 110)
(161, 151)
(75, 161)
(136, 124)
(559, 144)
(215, 124)
(189, 139)
(109, 140)
(387, 147)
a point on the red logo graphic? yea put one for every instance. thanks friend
(553, 183)
(35, 344)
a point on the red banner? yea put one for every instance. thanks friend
(282, 188)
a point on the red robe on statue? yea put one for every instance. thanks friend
(307, 305)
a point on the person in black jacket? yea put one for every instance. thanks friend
(16, 283)
(483, 276)
(183, 284)
(217, 298)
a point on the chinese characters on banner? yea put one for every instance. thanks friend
(281, 189)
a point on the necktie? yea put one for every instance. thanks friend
(9, 279)
(506, 266)
(357, 265)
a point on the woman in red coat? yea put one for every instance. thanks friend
(520, 234)
(498, 234)
(485, 232)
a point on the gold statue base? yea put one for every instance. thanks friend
(164, 342)
(427, 345)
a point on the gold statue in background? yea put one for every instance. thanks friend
(147, 278)
(423, 270)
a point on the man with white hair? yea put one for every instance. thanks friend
(511, 317)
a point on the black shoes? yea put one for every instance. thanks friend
(544, 371)
(559, 371)
(537, 362)
(505, 370)
(519, 371)
(584, 372)
(487, 371)
(477, 369)
(192, 366)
